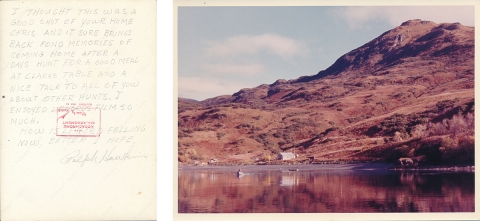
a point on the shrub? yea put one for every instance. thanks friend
(419, 131)
(191, 151)
(219, 116)
(278, 134)
(237, 142)
(397, 137)
(274, 150)
(354, 119)
(334, 104)
(459, 124)
(182, 134)
(244, 125)
(196, 157)
(182, 159)
(188, 131)
(395, 123)
(204, 129)
(220, 135)
(445, 104)
(432, 151)
(403, 150)
(458, 151)
(449, 143)
(438, 128)
(466, 141)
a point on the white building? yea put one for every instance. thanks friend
(286, 156)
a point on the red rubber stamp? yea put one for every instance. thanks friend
(81, 121)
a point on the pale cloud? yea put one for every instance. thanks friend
(234, 69)
(359, 17)
(249, 45)
(203, 88)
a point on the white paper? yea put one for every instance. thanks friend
(78, 110)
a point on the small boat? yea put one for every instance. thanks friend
(240, 173)
(293, 169)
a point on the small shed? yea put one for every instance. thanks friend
(286, 156)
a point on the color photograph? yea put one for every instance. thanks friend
(325, 109)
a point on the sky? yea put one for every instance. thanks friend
(223, 49)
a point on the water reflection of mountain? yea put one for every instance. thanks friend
(325, 191)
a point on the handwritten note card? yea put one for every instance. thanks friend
(78, 111)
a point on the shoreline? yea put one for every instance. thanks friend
(470, 169)
(334, 166)
(263, 163)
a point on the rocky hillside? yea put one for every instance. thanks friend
(408, 93)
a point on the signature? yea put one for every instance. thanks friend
(109, 155)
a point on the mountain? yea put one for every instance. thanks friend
(421, 40)
(408, 93)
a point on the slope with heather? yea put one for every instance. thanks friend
(408, 93)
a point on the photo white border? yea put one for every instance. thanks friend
(163, 93)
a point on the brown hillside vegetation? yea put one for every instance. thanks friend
(407, 94)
